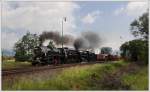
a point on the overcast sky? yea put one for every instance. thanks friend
(111, 20)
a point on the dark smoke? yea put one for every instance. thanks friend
(93, 39)
(88, 40)
(68, 39)
(56, 37)
(78, 43)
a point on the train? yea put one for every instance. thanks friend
(46, 56)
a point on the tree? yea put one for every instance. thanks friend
(25, 46)
(106, 50)
(135, 50)
(139, 27)
(125, 50)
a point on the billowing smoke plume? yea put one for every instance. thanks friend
(88, 40)
(56, 37)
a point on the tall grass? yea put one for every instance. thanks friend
(74, 78)
(137, 81)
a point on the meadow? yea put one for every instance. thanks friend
(118, 75)
(12, 64)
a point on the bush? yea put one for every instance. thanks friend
(135, 50)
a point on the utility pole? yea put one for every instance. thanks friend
(64, 19)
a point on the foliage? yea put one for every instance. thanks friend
(139, 27)
(135, 50)
(24, 47)
(106, 50)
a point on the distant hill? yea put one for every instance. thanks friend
(8, 53)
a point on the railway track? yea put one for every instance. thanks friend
(42, 68)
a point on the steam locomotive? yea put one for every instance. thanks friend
(45, 56)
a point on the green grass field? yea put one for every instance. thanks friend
(11, 64)
(90, 77)
(138, 80)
